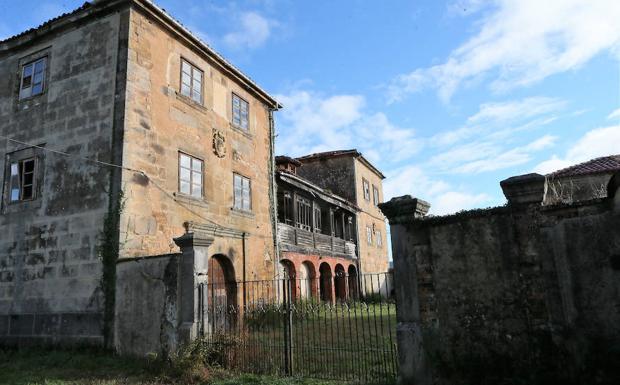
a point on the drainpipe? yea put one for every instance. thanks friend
(243, 253)
(272, 192)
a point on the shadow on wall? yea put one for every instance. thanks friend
(519, 294)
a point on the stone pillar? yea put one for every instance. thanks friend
(401, 212)
(193, 271)
(524, 189)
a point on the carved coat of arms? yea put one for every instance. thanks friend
(219, 143)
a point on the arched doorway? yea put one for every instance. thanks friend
(287, 278)
(340, 283)
(306, 280)
(221, 294)
(353, 283)
(325, 282)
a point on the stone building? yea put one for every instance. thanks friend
(317, 236)
(582, 181)
(114, 97)
(348, 174)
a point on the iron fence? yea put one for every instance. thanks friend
(341, 327)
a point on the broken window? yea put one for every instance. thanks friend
(317, 219)
(242, 193)
(191, 81)
(240, 110)
(33, 78)
(190, 175)
(375, 195)
(366, 187)
(22, 182)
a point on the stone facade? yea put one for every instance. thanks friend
(112, 95)
(346, 173)
(49, 267)
(523, 292)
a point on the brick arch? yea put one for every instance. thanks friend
(325, 282)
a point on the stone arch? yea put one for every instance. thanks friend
(353, 282)
(325, 282)
(221, 293)
(340, 282)
(288, 275)
(307, 275)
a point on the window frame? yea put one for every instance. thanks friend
(33, 63)
(366, 189)
(191, 175)
(369, 235)
(375, 195)
(193, 68)
(21, 176)
(242, 178)
(379, 238)
(232, 111)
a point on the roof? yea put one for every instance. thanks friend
(95, 6)
(283, 159)
(338, 153)
(604, 164)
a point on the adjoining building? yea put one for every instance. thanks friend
(117, 96)
(582, 181)
(317, 236)
(350, 175)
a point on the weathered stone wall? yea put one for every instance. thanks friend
(49, 268)
(147, 307)
(334, 174)
(374, 257)
(160, 123)
(576, 188)
(516, 293)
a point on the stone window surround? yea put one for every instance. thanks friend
(193, 67)
(366, 189)
(375, 195)
(234, 206)
(21, 154)
(202, 187)
(243, 130)
(369, 235)
(30, 101)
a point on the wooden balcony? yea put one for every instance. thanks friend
(324, 244)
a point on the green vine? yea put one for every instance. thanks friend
(109, 247)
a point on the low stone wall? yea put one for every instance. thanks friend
(147, 305)
(523, 292)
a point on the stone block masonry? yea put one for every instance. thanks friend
(523, 292)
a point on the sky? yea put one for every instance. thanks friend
(447, 98)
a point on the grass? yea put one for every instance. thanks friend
(96, 367)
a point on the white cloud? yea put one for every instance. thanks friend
(414, 181)
(500, 119)
(313, 122)
(614, 114)
(253, 32)
(521, 42)
(595, 143)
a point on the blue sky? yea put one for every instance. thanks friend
(446, 97)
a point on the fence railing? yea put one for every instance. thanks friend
(337, 328)
(299, 237)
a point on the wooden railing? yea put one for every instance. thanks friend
(321, 242)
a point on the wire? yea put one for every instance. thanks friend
(107, 164)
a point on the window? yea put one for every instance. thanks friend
(317, 219)
(286, 208)
(304, 214)
(191, 82)
(366, 187)
(240, 112)
(33, 78)
(369, 235)
(22, 180)
(190, 175)
(375, 195)
(242, 193)
(379, 238)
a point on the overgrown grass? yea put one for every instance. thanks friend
(96, 367)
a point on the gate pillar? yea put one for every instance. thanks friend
(401, 212)
(193, 271)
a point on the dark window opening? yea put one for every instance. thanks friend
(22, 180)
